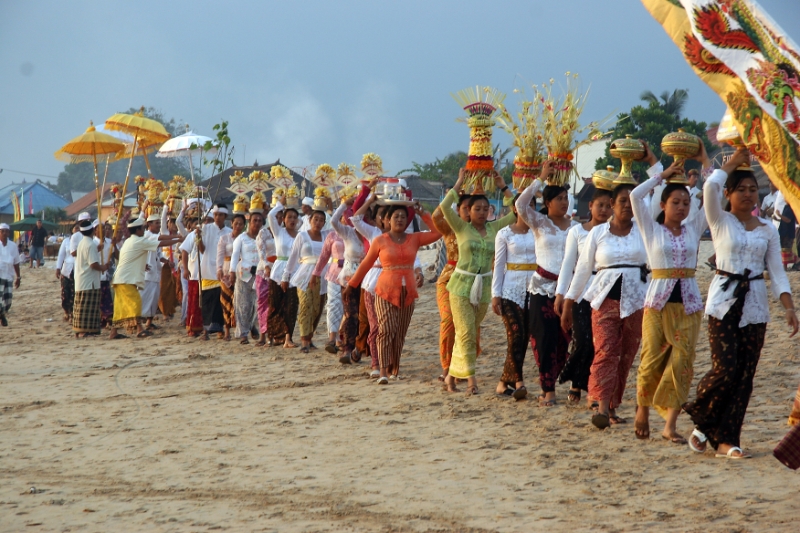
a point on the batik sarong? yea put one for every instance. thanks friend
(67, 293)
(548, 340)
(724, 392)
(262, 295)
(517, 322)
(106, 304)
(334, 307)
(616, 341)
(168, 300)
(581, 349)
(311, 304)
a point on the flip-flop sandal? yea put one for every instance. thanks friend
(355, 356)
(701, 438)
(675, 440)
(600, 421)
(505, 394)
(574, 396)
(153, 326)
(729, 455)
(331, 348)
(595, 406)
(144, 334)
(345, 360)
(261, 343)
(118, 336)
(545, 403)
(244, 341)
(472, 390)
(642, 430)
(520, 394)
(617, 420)
(304, 349)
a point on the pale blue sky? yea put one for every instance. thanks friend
(319, 81)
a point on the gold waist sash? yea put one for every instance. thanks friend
(673, 273)
(521, 266)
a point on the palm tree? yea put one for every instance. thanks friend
(672, 103)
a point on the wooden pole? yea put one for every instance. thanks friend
(97, 189)
(125, 186)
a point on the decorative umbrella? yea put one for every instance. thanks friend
(87, 147)
(139, 127)
(187, 144)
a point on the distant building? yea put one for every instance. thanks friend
(35, 194)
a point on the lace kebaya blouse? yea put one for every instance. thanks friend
(512, 248)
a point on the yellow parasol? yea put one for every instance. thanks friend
(86, 148)
(147, 130)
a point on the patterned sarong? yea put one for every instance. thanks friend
(106, 304)
(67, 293)
(86, 312)
(5, 295)
(226, 301)
(245, 306)
(262, 290)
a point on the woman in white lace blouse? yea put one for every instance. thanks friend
(282, 303)
(550, 229)
(615, 251)
(514, 264)
(673, 305)
(579, 363)
(311, 291)
(737, 307)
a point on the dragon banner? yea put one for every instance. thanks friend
(751, 63)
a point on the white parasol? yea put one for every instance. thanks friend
(186, 145)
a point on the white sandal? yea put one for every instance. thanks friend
(729, 455)
(700, 437)
(374, 374)
(383, 380)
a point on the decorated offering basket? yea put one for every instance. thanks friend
(627, 150)
(681, 146)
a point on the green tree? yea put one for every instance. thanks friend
(80, 176)
(651, 124)
(446, 170)
(52, 214)
(671, 103)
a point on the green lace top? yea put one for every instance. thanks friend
(475, 252)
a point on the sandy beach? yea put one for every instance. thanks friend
(175, 434)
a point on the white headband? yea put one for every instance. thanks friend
(5, 226)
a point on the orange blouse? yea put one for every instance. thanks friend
(397, 261)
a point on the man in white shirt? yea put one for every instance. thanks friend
(768, 204)
(76, 235)
(129, 278)
(209, 284)
(86, 310)
(64, 266)
(307, 207)
(152, 275)
(695, 194)
(777, 209)
(9, 271)
(107, 251)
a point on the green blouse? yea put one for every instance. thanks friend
(475, 252)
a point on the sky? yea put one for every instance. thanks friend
(314, 82)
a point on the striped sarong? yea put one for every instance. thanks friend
(262, 290)
(86, 312)
(393, 324)
(226, 301)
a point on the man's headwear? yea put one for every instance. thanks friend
(84, 216)
(5, 226)
(308, 201)
(135, 223)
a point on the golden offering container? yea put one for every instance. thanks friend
(605, 179)
(681, 146)
(627, 150)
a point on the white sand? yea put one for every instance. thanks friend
(173, 434)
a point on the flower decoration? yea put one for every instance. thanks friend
(526, 132)
(372, 164)
(345, 174)
(481, 104)
(278, 172)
